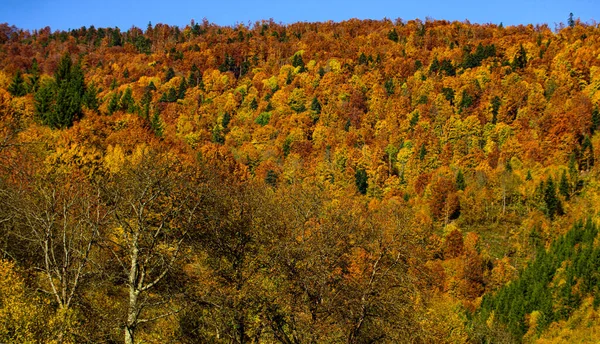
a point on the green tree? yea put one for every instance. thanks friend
(90, 97)
(460, 181)
(68, 90)
(169, 74)
(520, 60)
(553, 206)
(34, 78)
(563, 187)
(127, 103)
(315, 106)
(44, 101)
(393, 35)
(361, 180)
(17, 87)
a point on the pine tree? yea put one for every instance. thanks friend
(44, 102)
(113, 103)
(17, 86)
(393, 35)
(496, 102)
(553, 206)
(34, 78)
(182, 89)
(460, 181)
(127, 103)
(67, 92)
(315, 106)
(361, 180)
(563, 186)
(90, 98)
(169, 74)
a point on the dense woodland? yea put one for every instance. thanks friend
(359, 182)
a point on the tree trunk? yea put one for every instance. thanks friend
(132, 311)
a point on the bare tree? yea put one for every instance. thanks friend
(152, 214)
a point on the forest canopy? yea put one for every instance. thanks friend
(362, 182)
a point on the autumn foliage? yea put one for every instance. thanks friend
(363, 181)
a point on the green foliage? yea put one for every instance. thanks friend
(563, 187)
(448, 94)
(34, 78)
(389, 86)
(17, 86)
(461, 183)
(127, 103)
(263, 119)
(393, 35)
(169, 74)
(571, 21)
(553, 284)
(315, 106)
(59, 103)
(553, 205)
(113, 103)
(422, 152)
(474, 59)
(298, 62)
(90, 98)
(520, 60)
(361, 179)
(156, 124)
(496, 102)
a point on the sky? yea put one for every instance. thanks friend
(72, 14)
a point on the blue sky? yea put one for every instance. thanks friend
(65, 14)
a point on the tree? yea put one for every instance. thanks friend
(169, 74)
(34, 78)
(553, 205)
(17, 87)
(59, 103)
(571, 21)
(393, 35)
(153, 210)
(460, 181)
(520, 60)
(361, 180)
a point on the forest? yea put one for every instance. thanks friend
(364, 181)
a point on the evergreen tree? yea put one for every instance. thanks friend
(113, 103)
(17, 86)
(362, 59)
(563, 186)
(571, 21)
(90, 98)
(169, 74)
(496, 102)
(361, 180)
(298, 62)
(34, 78)
(156, 124)
(182, 89)
(127, 103)
(393, 35)
(520, 60)
(422, 152)
(460, 181)
(389, 86)
(254, 104)
(315, 106)
(44, 102)
(553, 206)
(68, 91)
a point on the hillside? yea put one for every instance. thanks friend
(363, 181)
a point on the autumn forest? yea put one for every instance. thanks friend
(356, 182)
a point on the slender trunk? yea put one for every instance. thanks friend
(132, 311)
